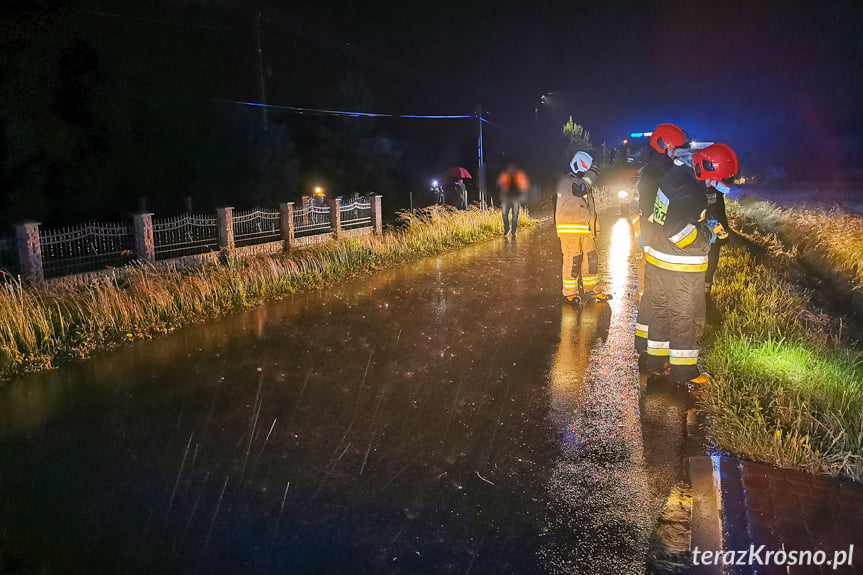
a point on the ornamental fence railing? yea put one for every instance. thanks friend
(185, 235)
(312, 219)
(357, 214)
(256, 227)
(35, 254)
(85, 247)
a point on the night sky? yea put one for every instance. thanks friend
(125, 103)
(770, 78)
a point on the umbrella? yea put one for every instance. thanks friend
(459, 173)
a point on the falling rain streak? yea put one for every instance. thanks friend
(451, 415)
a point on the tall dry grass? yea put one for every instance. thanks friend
(39, 326)
(781, 392)
(831, 240)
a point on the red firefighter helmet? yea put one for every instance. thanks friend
(715, 162)
(668, 136)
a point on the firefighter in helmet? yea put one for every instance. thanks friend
(715, 204)
(577, 226)
(676, 256)
(659, 159)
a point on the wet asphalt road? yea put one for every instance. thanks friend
(448, 416)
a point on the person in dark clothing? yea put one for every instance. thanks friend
(460, 194)
(659, 160)
(512, 187)
(715, 212)
(677, 256)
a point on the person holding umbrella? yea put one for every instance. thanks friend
(459, 190)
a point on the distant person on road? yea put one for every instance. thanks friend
(512, 187)
(576, 223)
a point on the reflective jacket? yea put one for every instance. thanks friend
(575, 210)
(680, 236)
(512, 183)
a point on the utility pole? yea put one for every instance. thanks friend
(480, 171)
(263, 87)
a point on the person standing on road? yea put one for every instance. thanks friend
(512, 187)
(716, 209)
(664, 140)
(577, 226)
(677, 257)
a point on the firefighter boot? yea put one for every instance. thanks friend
(574, 300)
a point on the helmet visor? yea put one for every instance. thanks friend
(704, 166)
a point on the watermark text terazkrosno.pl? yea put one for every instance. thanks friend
(762, 556)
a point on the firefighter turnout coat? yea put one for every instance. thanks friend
(576, 223)
(648, 184)
(677, 239)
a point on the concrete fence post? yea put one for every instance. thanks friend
(226, 228)
(287, 213)
(29, 251)
(307, 201)
(376, 214)
(336, 215)
(142, 241)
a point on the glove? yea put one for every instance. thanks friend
(717, 229)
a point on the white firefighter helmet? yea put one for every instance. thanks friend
(581, 162)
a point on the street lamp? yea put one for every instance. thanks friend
(319, 191)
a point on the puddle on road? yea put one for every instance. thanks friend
(433, 418)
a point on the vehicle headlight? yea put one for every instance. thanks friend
(622, 194)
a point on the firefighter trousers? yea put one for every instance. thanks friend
(645, 310)
(675, 315)
(580, 264)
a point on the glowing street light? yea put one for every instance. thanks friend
(319, 191)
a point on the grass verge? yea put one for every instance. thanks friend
(40, 326)
(783, 391)
(830, 240)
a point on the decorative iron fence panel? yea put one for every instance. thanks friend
(85, 247)
(257, 227)
(8, 255)
(185, 235)
(357, 215)
(312, 220)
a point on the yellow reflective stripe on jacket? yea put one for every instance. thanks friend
(685, 237)
(573, 228)
(674, 262)
(641, 330)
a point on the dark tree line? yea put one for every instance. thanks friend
(107, 109)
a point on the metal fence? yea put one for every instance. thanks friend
(8, 255)
(257, 227)
(357, 214)
(185, 235)
(85, 247)
(312, 220)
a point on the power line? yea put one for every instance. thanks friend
(317, 111)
